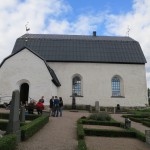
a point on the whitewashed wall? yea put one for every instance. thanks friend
(26, 67)
(97, 83)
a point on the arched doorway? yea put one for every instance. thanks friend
(24, 93)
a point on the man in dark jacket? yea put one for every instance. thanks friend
(51, 106)
(56, 106)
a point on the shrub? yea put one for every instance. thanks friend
(82, 144)
(3, 125)
(100, 116)
(31, 116)
(146, 123)
(4, 115)
(80, 131)
(109, 133)
(32, 127)
(139, 135)
(106, 123)
(8, 142)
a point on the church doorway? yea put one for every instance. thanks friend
(24, 93)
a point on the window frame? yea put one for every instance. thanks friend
(79, 86)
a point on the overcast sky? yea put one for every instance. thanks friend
(107, 17)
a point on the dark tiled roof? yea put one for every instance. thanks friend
(79, 48)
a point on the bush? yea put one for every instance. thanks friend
(31, 116)
(8, 142)
(80, 131)
(109, 133)
(4, 115)
(146, 123)
(106, 123)
(139, 135)
(100, 117)
(32, 127)
(82, 144)
(3, 125)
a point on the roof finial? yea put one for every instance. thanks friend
(128, 30)
(27, 28)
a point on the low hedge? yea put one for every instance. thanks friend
(101, 116)
(146, 123)
(109, 133)
(82, 145)
(27, 117)
(80, 131)
(8, 142)
(32, 127)
(106, 123)
(3, 125)
(31, 116)
(139, 135)
(4, 115)
(80, 136)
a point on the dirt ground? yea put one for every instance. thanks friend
(106, 143)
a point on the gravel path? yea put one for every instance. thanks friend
(58, 134)
(107, 143)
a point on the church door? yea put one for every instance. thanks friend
(24, 93)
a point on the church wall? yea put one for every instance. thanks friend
(97, 83)
(26, 67)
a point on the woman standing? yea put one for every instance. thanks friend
(60, 106)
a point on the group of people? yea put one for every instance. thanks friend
(39, 106)
(56, 106)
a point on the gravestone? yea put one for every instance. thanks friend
(127, 123)
(14, 122)
(22, 114)
(97, 108)
(147, 135)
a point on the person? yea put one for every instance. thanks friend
(56, 106)
(39, 107)
(60, 106)
(42, 99)
(51, 106)
(31, 107)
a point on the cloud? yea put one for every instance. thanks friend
(16, 13)
(138, 21)
(44, 16)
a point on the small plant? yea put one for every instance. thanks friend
(100, 117)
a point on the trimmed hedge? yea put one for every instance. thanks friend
(8, 142)
(80, 136)
(32, 127)
(31, 116)
(109, 133)
(82, 145)
(106, 123)
(27, 117)
(80, 131)
(4, 115)
(139, 135)
(100, 116)
(146, 123)
(3, 125)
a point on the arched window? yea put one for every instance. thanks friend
(76, 85)
(117, 86)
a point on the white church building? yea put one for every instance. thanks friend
(107, 69)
